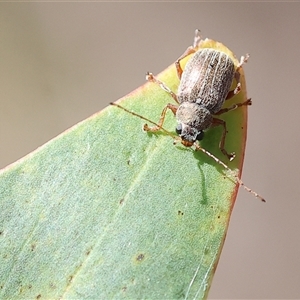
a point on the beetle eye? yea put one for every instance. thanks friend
(178, 128)
(200, 136)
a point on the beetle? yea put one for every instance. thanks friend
(204, 87)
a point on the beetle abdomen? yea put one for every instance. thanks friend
(207, 79)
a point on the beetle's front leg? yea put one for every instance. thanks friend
(217, 122)
(159, 125)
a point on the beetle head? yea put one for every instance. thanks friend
(192, 119)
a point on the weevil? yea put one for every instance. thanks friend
(204, 86)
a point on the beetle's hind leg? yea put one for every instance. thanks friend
(190, 50)
(197, 38)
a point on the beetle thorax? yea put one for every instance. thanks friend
(193, 119)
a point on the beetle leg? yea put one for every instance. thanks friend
(159, 125)
(243, 60)
(150, 77)
(187, 52)
(237, 76)
(197, 38)
(234, 92)
(217, 122)
(146, 119)
(233, 107)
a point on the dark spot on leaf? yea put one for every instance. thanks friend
(121, 201)
(140, 257)
(1, 232)
(39, 296)
(33, 247)
(219, 217)
(180, 213)
(30, 286)
(52, 286)
(70, 278)
(114, 179)
(124, 288)
(88, 252)
(128, 162)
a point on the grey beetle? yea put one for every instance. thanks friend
(204, 86)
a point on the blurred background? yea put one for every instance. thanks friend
(62, 62)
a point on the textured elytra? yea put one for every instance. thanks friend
(206, 79)
(203, 88)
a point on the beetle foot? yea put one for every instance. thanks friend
(231, 156)
(149, 76)
(197, 38)
(249, 101)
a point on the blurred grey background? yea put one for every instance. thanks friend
(62, 62)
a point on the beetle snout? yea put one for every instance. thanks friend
(189, 134)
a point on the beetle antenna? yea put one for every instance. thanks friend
(237, 178)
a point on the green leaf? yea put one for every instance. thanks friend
(106, 210)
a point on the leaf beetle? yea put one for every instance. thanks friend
(204, 87)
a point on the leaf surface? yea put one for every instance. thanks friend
(106, 210)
